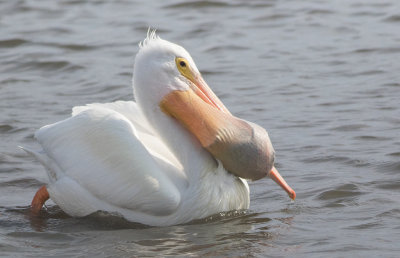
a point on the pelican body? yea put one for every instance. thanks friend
(174, 155)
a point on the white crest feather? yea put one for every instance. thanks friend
(151, 35)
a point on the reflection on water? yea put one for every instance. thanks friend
(321, 77)
(215, 235)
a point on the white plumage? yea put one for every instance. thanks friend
(133, 159)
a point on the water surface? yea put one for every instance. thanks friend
(322, 78)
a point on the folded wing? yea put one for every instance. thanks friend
(98, 151)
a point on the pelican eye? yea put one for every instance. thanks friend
(184, 68)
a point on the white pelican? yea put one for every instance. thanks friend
(174, 155)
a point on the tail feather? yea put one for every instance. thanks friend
(53, 171)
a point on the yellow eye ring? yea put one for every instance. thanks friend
(184, 68)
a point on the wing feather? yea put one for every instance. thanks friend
(100, 150)
(146, 134)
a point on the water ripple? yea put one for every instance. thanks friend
(393, 18)
(346, 191)
(198, 4)
(51, 66)
(349, 128)
(24, 182)
(10, 43)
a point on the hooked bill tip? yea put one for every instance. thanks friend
(274, 175)
(292, 195)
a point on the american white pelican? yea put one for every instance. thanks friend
(174, 155)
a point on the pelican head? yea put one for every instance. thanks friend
(166, 77)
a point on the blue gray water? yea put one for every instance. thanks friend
(322, 77)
